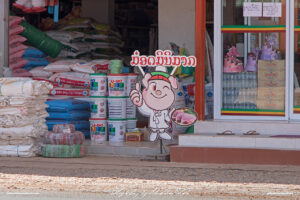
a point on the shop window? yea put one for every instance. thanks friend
(253, 59)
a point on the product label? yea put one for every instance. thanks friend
(117, 85)
(72, 82)
(69, 92)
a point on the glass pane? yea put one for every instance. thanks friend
(253, 74)
(233, 14)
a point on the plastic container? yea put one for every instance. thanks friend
(98, 130)
(131, 81)
(117, 107)
(130, 109)
(131, 123)
(98, 107)
(117, 84)
(116, 66)
(99, 84)
(63, 151)
(117, 130)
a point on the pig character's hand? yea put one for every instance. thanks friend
(136, 96)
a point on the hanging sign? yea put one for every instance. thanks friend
(252, 9)
(272, 9)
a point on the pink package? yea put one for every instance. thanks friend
(16, 55)
(16, 39)
(60, 128)
(15, 30)
(17, 63)
(72, 78)
(14, 48)
(21, 73)
(70, 92)
(15, 20)
(56, 85)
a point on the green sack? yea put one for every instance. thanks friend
(41, 40)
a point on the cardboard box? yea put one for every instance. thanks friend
(271, 65)
(297, 97)
(270, 104)
(134, 137)
(271, 83)
(271, 93)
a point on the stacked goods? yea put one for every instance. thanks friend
(22, 116)
(98, 121)
(71, 77)
(240, 90)
(83, 37)
(63, 142)
(24, 61)
(121, 111)
(271, 85)
(69, 111)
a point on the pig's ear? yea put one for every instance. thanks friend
(173, 82)
(146, 79)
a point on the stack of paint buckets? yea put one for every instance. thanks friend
(121, 112)
(98, 100)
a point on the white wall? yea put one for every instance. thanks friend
(100, 10)
(176, 23)
(3, 34)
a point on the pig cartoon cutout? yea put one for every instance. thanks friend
(155, 101)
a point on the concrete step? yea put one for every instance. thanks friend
(129, 149)
(291, 142)
(242, 126)
(234, 156)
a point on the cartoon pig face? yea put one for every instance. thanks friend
(158, 94)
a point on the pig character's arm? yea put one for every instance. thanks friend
(136, 96)
(167, 117)
(137, 99)
(145, 110)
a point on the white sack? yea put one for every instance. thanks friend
(19, 150)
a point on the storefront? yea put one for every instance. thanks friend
(255, 87)
(150, 29)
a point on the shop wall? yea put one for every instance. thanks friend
(100, 10)
(176, 20)
(3, 34)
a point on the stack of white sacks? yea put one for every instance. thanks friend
(22, 116)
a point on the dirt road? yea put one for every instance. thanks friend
(130, 178)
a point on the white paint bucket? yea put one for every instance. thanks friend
(130, 109)
(98, 130)
(98, 107)
(131, 123)
(131, 82)
(117, 107)
(98, 84)
(116, 130)
(117, 84)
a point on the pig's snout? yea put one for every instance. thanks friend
(158, 92)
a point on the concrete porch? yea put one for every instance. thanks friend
(206, 146)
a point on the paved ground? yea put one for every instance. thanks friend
(130, 178)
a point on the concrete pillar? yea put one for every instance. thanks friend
(176, 23)
(4, 34)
